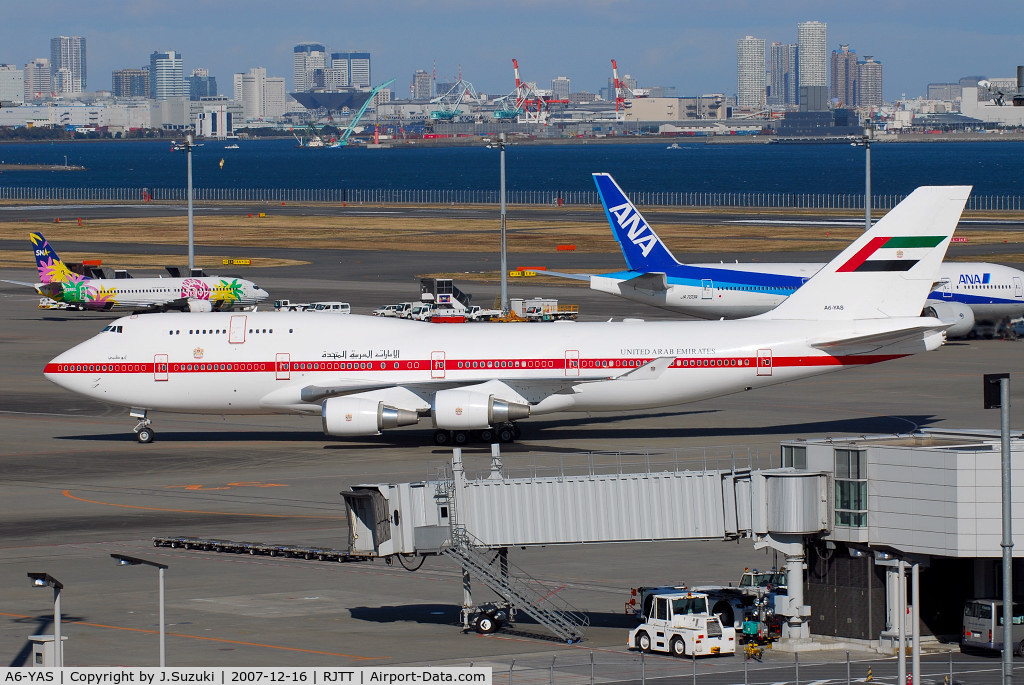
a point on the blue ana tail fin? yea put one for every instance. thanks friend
(51, 268)
(640, 245)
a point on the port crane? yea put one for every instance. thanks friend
(451, 100)
(524, 103)
(623, 94)
(343, 139)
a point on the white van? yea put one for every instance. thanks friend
(331, 307)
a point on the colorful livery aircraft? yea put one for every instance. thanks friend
(362, 374)
(193, 294)
(964, 294)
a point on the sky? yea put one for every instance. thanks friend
(689, 45)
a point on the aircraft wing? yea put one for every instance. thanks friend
(533, 390)
(34, 286)
(560, 274)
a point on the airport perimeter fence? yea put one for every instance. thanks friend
(593, 667)
(397, 196)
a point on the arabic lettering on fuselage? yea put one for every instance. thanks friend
(357, 354)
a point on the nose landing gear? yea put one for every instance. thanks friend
(143, 432)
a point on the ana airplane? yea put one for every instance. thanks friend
(362, 374)
(964, 294)
(193, 294)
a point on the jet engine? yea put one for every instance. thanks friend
(200, 306)
(467, 410)
(956, 313)
(361, 416)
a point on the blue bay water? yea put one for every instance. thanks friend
(993, 168)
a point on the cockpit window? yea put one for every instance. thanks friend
(113, 329)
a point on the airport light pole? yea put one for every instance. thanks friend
(996, 395)
(865, 141)
(46, 580)
(500, 144)
(125, 560)
(189, 144)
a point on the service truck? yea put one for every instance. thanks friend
(289, 306)
(478, 313)
(544, 309)
(681, 624)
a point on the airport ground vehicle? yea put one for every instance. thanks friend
(329, 307)
(983, 626)
(478, 313)
(421, 311)
(289, 306)
(402, 309)
(386, 310)
(544, 309)
(680, 623)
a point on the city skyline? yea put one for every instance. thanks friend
(659, 43)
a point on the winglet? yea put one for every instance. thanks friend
(889, 270)
(640, 245)
(51, 268)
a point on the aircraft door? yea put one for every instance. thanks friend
(1018, 287)
(160, 367)
(705, 289)
(572, 362)
(947, 289)
(437, 364)
(284, 366)
(236, 333)
(764, 362)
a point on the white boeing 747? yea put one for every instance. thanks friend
(963, 295)
(363, 374)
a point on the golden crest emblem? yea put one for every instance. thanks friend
(197, 353)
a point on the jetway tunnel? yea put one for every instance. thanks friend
(775, 508)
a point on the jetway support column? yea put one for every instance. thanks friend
(792, 605)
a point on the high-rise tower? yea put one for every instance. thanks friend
(812, 65)
(869, 83)
(750, 73)
(67, 64)
(844, 76)
(38, 80)
(307, 58)
(782, 60)
(166, 78)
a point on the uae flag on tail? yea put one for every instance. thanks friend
(899, 253)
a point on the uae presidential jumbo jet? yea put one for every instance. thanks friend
(963, 295)
(364, 374)
(193, 294)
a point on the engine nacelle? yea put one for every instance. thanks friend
(360, 416)
(956, 313)
(200, 306)
(467, 410)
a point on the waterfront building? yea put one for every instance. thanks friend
(560, 88)
(812, 67)
(166, 78)
(12, 84)
(750, 73)
(948, 92)
(38, 82)
(67, 64)
(352, 69)
(130, 83)
(201, 84)
(782, 84)
(421, 85)
(843, 90)
(869, 83)
(261, 96)
(215, 116)
(308, 58)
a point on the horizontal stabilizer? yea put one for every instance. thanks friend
(873, 342)
(652, 280)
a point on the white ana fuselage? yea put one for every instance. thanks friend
(711, 291)
(140, 293)
(262, 362)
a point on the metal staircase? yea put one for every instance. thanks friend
(538, 600)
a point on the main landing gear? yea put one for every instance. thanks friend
(143, 432)
(503, 432)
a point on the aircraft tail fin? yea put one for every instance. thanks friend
(640, 245)
(51, 268)
(889, 270)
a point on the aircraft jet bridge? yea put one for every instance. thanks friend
(468, 519)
